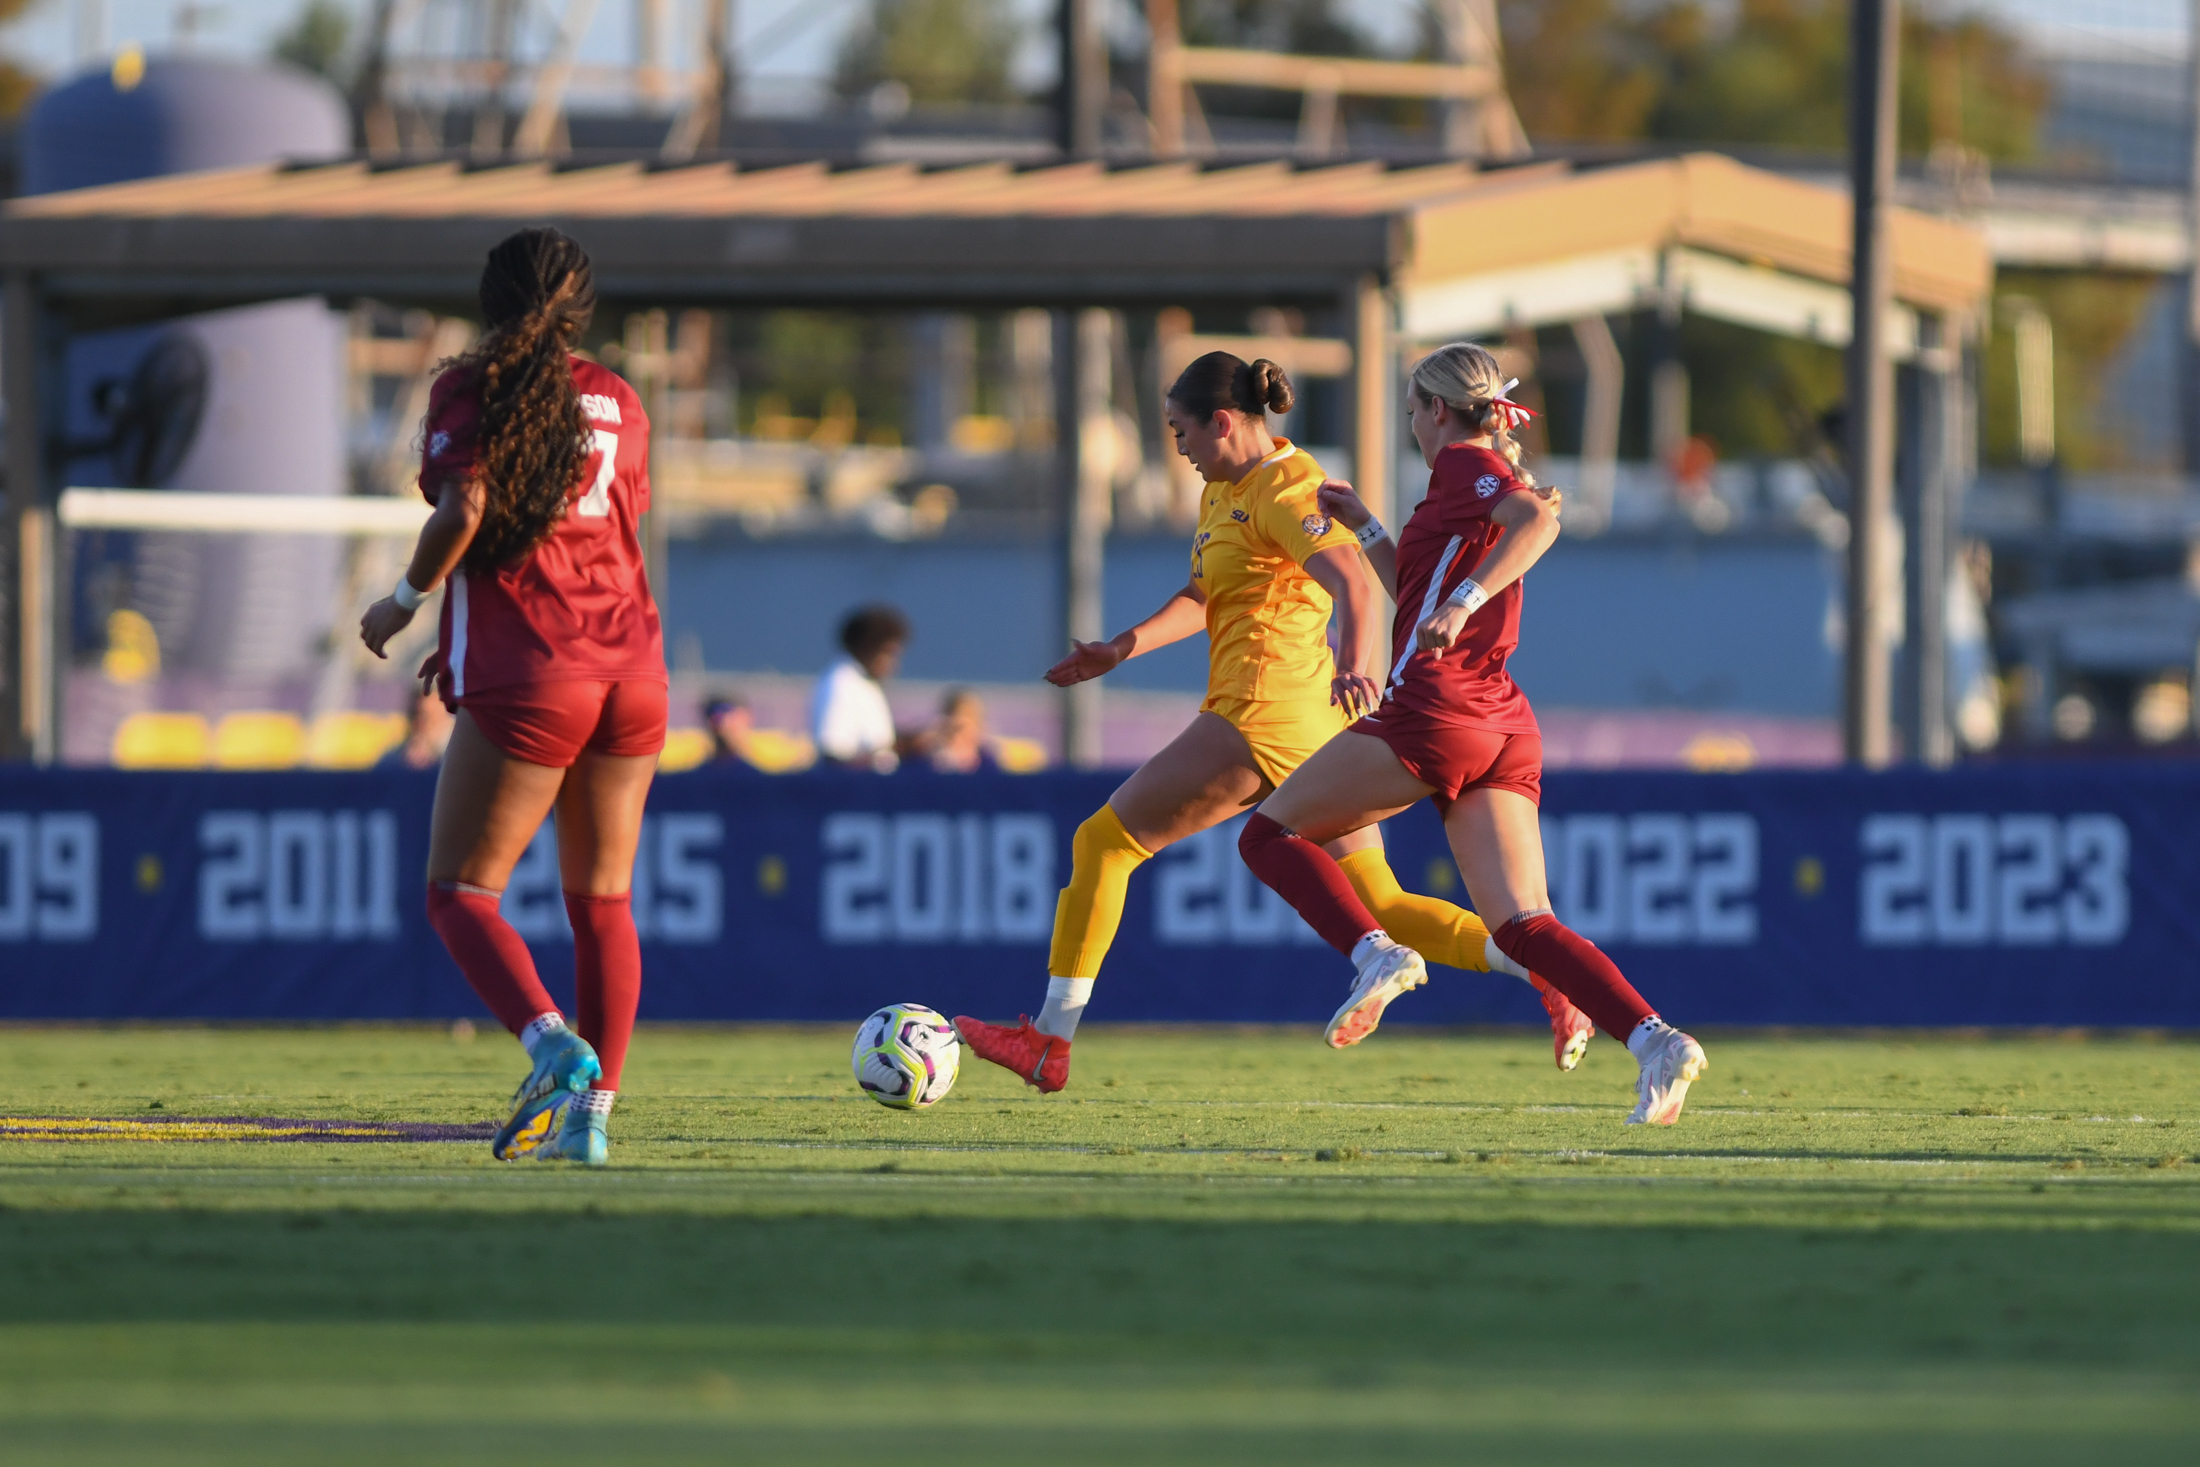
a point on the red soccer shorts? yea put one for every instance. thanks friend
(1454, 760)
(550, 723)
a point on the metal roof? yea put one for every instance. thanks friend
(988, 232)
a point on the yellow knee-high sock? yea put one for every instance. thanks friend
(1102, 858)
(1435, 929)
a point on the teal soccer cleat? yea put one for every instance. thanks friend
(564, 1066)
(580, 1139)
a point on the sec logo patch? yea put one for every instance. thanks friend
(1486, 485)
(1315, 525)
(437, 444)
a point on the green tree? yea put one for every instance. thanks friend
(943, 51)
(1768, 73)
(1578, 69)
(2093, 316)
(315, 40)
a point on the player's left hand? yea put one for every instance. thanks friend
(1442, 629)
(384, 620)
(1355, 693)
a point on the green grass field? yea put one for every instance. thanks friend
(1217, 1246)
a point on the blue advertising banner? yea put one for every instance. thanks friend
(2007, 895)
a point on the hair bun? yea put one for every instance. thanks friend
(1271, 389)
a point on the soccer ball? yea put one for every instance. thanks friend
(906, 1056)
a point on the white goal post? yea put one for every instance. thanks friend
(230, 514)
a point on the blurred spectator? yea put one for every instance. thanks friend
(732, 727)
(849, 718)
(960, 743)
(427, 731)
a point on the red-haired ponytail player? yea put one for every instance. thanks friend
(551, 654)
(1455, 728)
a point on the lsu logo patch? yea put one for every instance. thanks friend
(1240, 516)
(1315, 526)
(1486, 485)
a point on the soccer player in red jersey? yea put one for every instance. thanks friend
(1455, 728)
(537, 464)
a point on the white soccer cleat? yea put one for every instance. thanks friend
(1388, 970)
(1667, 1072)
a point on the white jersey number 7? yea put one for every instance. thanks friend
(596, 503)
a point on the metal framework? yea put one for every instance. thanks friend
(1478, 120)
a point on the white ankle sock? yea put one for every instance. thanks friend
(1065, 1005)
(1369, 945)
(1501, 961)
(539, 1028)
(1646, 1034)
(598, 1101)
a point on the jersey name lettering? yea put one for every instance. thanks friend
(600, 406)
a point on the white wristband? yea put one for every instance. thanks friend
(1372, 531)
(1469, 596)
(405, 596)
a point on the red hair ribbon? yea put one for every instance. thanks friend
(1515, 416)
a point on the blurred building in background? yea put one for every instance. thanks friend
(811, 459)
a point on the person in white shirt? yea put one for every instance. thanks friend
(849, 719)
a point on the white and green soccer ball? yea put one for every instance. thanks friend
(906, 1056)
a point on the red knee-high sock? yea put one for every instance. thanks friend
(607, 966)
(491, 955)
(1575, 967)
(1310, 879)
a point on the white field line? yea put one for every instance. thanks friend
(1465, 1107)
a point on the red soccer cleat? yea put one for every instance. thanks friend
(1571, 1030)
(1039, 1060)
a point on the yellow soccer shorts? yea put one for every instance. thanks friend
(1281, 735)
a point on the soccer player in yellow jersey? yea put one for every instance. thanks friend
(1268, 571)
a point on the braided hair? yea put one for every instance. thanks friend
(537, 295)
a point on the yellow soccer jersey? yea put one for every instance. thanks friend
(1267, 619)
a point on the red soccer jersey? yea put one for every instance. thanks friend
(1444, 540)
(577, 607)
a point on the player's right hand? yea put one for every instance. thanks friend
(1086, 661)
(1441, 630)
(384, 620)
(1342, 503)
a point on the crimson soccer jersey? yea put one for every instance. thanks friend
(1445, 539)
(578, 605)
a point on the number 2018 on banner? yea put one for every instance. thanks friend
(2005, 880)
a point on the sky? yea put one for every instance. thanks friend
(792, 41)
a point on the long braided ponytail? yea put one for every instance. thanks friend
(537, 295)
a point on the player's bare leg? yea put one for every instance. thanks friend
(488, 807)
(1205, 775)
(1497, 838)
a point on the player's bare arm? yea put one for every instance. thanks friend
(1531, 527)
(1342, 571)
(1179, 617)
(1342, 503)
(443, 541)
